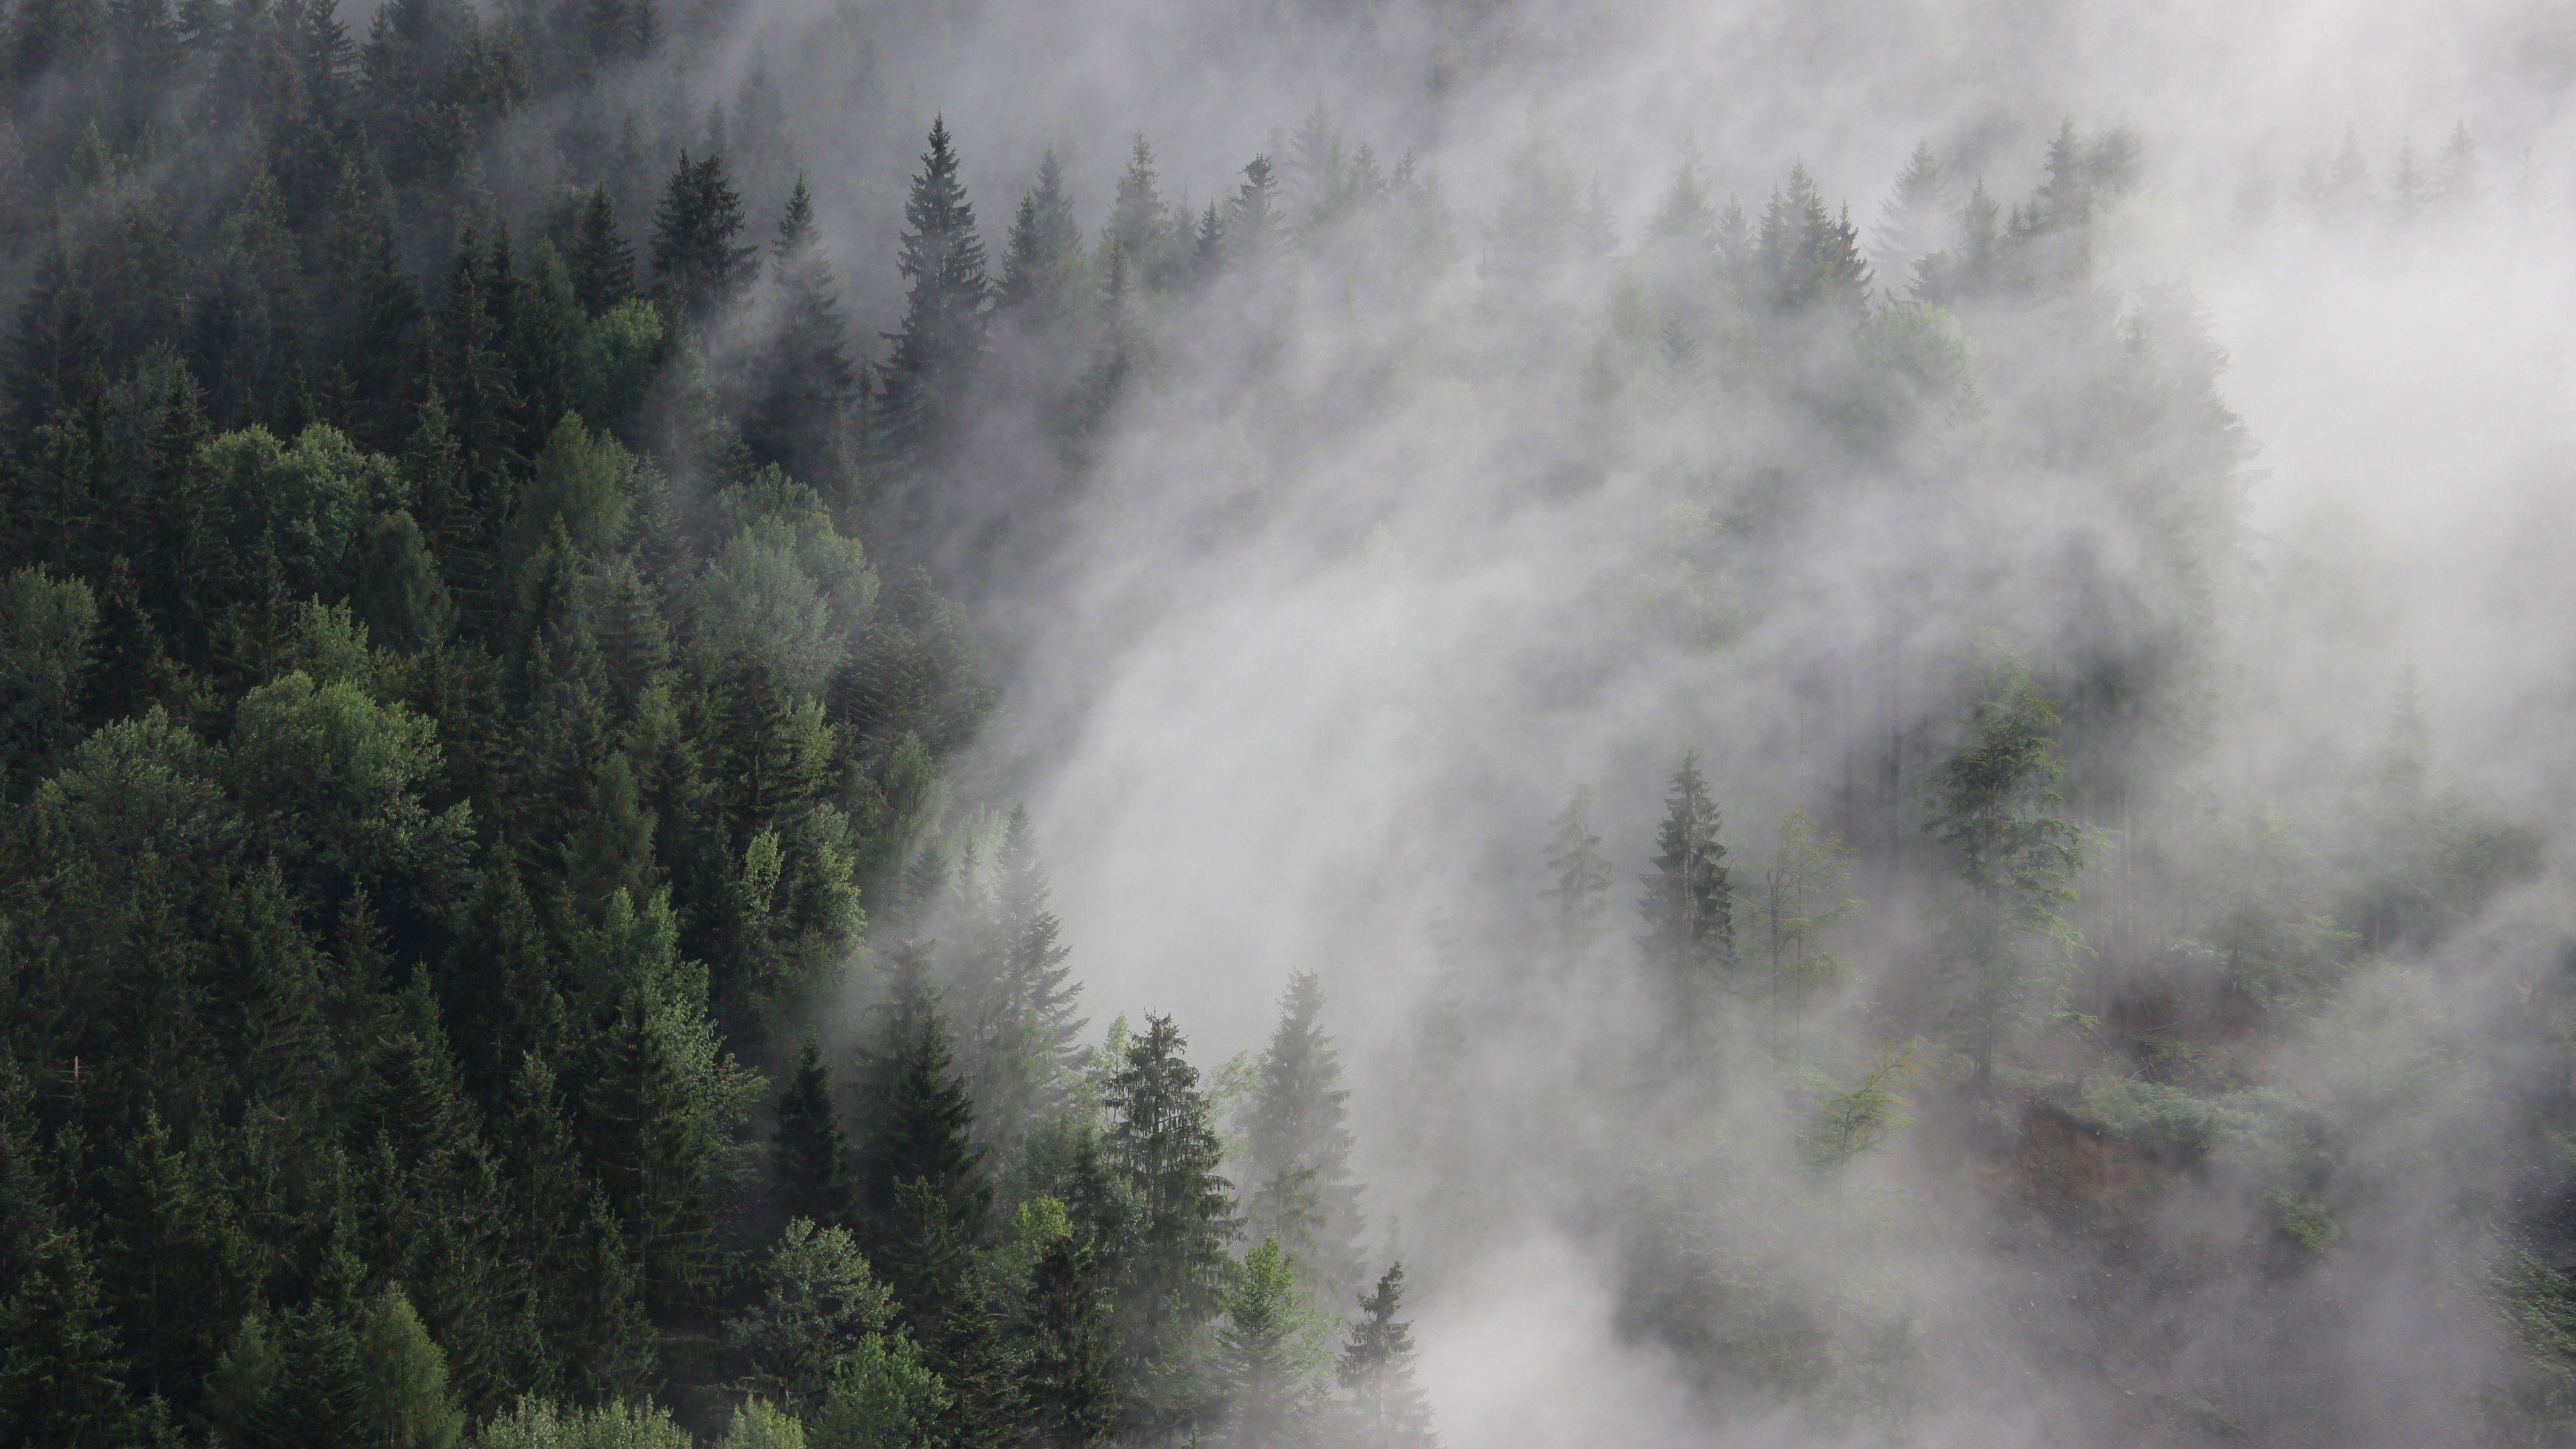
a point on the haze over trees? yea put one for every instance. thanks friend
(519, 926)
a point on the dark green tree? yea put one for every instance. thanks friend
(804, 388)
(1689, 906)
(937, 350)
(601, 262)
(1997, 807)
(809, 1158)
(696, 264)
(1385, 1408)
(1297, 1147)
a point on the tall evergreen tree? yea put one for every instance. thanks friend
(1163, 1141)
(1996, 804)
(1297, 1147)
(1044, 275)
(809, 1160)
(936, 352)
(1072, 1374)
(602, 264)
(1689, 905)
(1386, 1409)
(804, 387)
(1270, 1356)
(1579, 888)
(1916, 221)
(696, 263)
(1140, 225)
(921, 1174)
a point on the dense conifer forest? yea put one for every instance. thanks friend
(564, 618)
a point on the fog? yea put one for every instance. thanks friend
(1335, 626)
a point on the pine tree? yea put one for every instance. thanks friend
(1252, 222)
(1996, 805)
(921, 1174)
(1386, 1410)
(62, 1370)
(1684, 225)
(805, 385)
(1270, 1356)
(1689, 906)
(1298, 1145)
(2455, 177)
(1072, 1376)
(1162, 1139)
(1043, 271)
(937, 350)
(1916, 221)
(809, 1162)
(55, 351)
(602, 264)
(1028, 1028)
(1578, 893)
(1140, 226)
(471, 372)
(818, 1303)
(1800, 901)
(696, 264)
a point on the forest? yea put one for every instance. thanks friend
(642, 709)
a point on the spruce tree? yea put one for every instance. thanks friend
(1386, 1410)
(1689, 906)
(1916, 221)
(1297, 1146)
(921, 1173)
(809, 1161)
(936, 352)
(602, 264)
(1140, 226)
(1270, 1356)
(1579, 886)
(1996, 805)
(1072, 1374)
(1163, 1140)
(54, 350)
(1043, 271)
(696, 263)
(1252, 221)
(804, 385)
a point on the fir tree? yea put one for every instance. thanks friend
(1163, 1141)
(1386, 1410)
(1072, 1376)
(810, 1166)
(921, 1176)
(936, 352)
(1270, 1356)
(1996, 805)
(1252, 222)
(602, 264)
(696, 264)
(1298, 1144)
(805, 385)
(1140, 226)
(1917, 219)
(1043, 271)
(1689, 905)
(1578, 893)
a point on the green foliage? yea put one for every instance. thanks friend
(883, 1397)
(1272, 1354)
(539, 1424)
(818, 1304)
(1997, 807)
(1385, 1409)
(46, 627)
